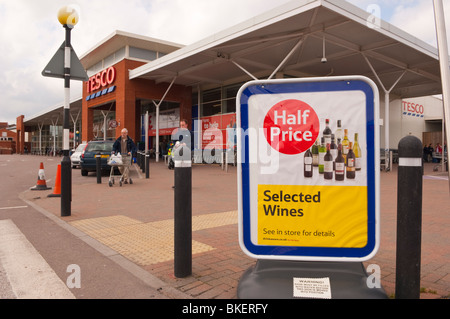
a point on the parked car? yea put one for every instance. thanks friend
(88, 161)
(75, 157)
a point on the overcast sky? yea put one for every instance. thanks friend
(30, 34)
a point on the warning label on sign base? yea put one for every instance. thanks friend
(312, 288)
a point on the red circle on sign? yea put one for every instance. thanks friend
(291, 127)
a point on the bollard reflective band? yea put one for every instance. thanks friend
(186, 163)
(410, 161)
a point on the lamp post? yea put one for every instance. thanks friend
(68, 17)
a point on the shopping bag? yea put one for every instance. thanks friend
(115, 159)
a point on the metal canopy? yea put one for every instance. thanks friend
(291, 40)
(50, 115)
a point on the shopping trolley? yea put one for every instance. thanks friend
(117, 161)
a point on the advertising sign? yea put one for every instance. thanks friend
(412, 109)
(215, 131)
(308, 168)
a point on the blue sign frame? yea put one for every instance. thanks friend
(329, 84)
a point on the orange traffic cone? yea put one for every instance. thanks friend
(41, 183)
(57, 189)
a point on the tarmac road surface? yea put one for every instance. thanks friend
(36, 252)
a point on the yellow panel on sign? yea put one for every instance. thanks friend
(312, 216)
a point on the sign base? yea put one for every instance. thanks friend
(275, 279)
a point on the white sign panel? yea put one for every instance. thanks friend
(307, 154)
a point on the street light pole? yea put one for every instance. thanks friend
(68, 17)
(66, 168)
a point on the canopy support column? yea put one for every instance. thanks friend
(75, 127)
(296, 46)
(54, 123)
(445, 72)
(386, 113)
(40, 127)
(157, 105)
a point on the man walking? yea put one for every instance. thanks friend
(126, 147)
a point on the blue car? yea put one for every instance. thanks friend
(88, 161)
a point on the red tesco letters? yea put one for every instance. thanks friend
(101, 79)
(412, 107)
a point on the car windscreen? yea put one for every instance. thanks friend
(99, 147)
(80, 148)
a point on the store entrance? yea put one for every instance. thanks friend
(169, 119)
(104, 121)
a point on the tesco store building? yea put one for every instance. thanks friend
(111, 101)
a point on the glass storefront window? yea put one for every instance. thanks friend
(99, 127)
(218, 101)
(51, 138)
(212, 102)
(169, 118)
(230, 98)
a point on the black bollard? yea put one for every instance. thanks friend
(98, 167)
(147, 165)
(183, 214)
(409, 218)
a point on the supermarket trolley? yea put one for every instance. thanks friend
(116, 161)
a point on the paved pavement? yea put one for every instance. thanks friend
(132, 226)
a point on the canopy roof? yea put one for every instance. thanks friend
(54, 115)
(289, 40)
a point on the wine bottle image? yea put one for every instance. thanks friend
(315, 153)
(327, 132)
(357, 151)
(350, 161)
(339, 134)
(308, 164)
(340, 165)
(345, 144)
(322, 152)
(328, 164)
(333, 150)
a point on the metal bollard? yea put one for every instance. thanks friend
(98, 167)
(147, 165)
(409, 218)
(183, 214)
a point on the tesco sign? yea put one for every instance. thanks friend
(101, 79)
(412, 109)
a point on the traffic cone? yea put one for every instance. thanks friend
(57, 189)
(41, 183)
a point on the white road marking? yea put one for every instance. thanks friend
(28, 273)
(444, 178)
(13, 207)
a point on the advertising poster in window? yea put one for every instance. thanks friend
(307, 168)
(169, 120)
(215, 131)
